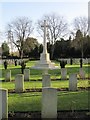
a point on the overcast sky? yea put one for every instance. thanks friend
(35, 10)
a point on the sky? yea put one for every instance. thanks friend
(9, 10)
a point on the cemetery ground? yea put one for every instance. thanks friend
(28, 104)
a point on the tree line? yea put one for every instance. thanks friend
(77, 44)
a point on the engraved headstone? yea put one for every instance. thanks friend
(46, 80)
(3, 103)
(49, 103)
(73, 82)
(26, 74)
(19, 83)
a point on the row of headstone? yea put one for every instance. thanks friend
(19, 87)
(12, 61)
(81, 73)
(46, 82)
(27, 74)
(8, 75)
(49, 103)
(77, 60)
(49, 96)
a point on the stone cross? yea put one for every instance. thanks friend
(44, 42)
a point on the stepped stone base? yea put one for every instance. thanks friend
(45, 63)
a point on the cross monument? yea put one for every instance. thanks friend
(44, 41)
(45, 62)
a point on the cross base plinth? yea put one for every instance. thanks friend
(45, 62)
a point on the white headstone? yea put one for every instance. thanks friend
(7, 75)
(81, 73)
(19, 83)
(46, 80)
(26, 74)
(3, 103)
(63, 73)
(49, 103)
(73, 82)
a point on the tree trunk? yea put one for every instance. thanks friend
(20, 53)
(52, 51)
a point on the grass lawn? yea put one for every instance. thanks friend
(38, 84)
(37, 74)
(32, 101)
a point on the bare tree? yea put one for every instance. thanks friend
(81, 23)
(57, 28)
(18, 30)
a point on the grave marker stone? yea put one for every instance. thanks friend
(81, 73)
(7, 75)
(73, 82)
(26, 74)
(63, 73)
(19, 83)
(46, 80)
(3, 103)
(49, 103)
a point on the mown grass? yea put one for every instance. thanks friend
(33, 101)
(37, 74)
(38, 84)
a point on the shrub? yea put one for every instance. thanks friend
(63, 63)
